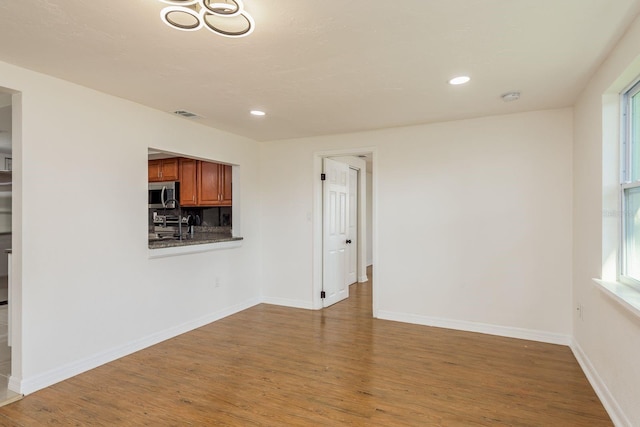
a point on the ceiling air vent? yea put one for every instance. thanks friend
(510, 96)
(185, 113)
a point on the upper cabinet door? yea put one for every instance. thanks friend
(188, 182)
(154, 170)
(163, 170)
(170, 170)
(214, 184)
(226, 188)
(208, 184)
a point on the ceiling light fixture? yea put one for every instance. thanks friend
(460, 80)
(258, 113)
(228, 19)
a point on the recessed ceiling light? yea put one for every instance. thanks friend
(460, 80)
(258, 113)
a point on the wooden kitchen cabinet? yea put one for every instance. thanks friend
(226, 188)
(214, 184)
(209, 183)
(188, 182)
(204, 183)
(163, 170)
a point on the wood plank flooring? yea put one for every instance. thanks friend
(271, 366)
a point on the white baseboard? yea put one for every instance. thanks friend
(618, 417)
(483, 328)
(14, 384)
(307, 305)
(40, 381)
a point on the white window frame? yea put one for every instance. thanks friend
(626, 178)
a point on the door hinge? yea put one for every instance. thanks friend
(323, 294)
(323, 177)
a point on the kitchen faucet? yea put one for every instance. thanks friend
(179, 215)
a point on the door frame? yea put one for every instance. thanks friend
(316, 287)
(15, 285)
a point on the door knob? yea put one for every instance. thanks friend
(349, 241)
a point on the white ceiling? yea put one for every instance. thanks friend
(324, 67)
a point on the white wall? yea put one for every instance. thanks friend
(90, 293)
(608, 336)
(473, 222)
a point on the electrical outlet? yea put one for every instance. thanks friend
(580, 309)
(217, 285)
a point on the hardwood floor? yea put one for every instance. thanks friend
(271, 365)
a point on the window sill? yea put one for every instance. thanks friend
(627, 296)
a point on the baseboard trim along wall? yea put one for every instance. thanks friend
(46, 379)
(483, 328)
(307, 305)
(612, 407)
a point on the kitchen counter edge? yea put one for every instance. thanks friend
(198, 239)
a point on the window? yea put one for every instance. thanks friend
(630, 187)
(190, 203)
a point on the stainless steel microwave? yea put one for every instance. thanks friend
(161, 192)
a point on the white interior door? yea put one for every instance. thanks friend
(335, 226)
(352, 234)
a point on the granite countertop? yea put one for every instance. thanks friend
(201, 236)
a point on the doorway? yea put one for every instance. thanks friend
(361, 165)
(10, 131)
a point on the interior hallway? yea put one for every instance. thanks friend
(272, 365)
